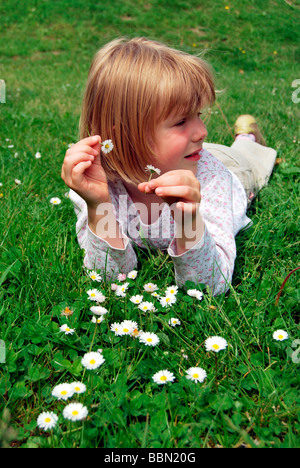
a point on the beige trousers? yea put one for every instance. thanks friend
(252, 163)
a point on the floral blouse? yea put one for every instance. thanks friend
(210, 261)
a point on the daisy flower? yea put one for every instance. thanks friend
(17, 181)
(75, 412)
(38, 155)
(215, 343)
(152, 169)
(144, 306)
(63, 391)
(120, 291)
(47, 420)
(280, 335)
(67, 312)
(197, 374)
(97, 319)
(122, 276)
(172, 290)
(95, 295)
(55, 201)
(116, 328)
(174, 321)
(92, 360)
(195, 293)
(149, 339)
(155, 294)
(150, 287)
(135, 333)
(94, 276)
(78, 387)
(66, 329)
(136, 299)
(132, 274)
(162, 377)
(98, 310)
(113, 286)
(107, 146)
(127, 327)
(167, 300)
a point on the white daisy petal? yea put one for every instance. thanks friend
(174, 321)
(107, 146)
(47, 420)
(280, 335)
(149, 339)
(215, 344)
(75, 412)
(92, 360)
(55, 201)
(162, 377)
(152, 169)
(63, 391)
(67, 330)
(197, 374)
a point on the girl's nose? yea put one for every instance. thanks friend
(199, 131)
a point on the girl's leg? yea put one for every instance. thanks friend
(250, 161)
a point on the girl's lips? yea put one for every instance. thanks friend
(194, 156)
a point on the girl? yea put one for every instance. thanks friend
(147, 99)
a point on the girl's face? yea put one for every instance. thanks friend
(178, 142)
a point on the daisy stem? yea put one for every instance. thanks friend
(93, 339)
(216, 367)
(149, 179)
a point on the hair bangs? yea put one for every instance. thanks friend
(185, 89)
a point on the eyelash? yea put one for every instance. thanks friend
(182, 122)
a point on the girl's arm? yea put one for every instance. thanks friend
(98, 230)
(211, 260)
(98, 253)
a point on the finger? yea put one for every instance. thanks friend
(184, 192)
(91, 140)
(78, 171)
(82, 148)
(71, 161)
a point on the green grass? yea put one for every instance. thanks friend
(253, 399)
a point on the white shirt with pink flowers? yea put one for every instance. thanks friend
(210, 261)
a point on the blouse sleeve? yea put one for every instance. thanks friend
(211, 260)
(98, 254)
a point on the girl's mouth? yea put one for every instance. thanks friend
(194, 156)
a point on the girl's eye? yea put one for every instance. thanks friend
(181, 122)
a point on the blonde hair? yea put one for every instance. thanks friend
(132, 86)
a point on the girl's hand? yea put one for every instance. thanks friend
(180, 189)
(82, 171)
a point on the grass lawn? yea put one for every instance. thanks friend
(250, 396)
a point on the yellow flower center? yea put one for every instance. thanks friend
(163, 378)
(195, 376)
(74, 413)
(67, 329)
(64, 392)
(125, 330)
(215, 346)
(77, 389)
(93, 277)
(92, 361)
(107, 146)
(149, 339)
(93, 294)
(280, 337)
(47, 420)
